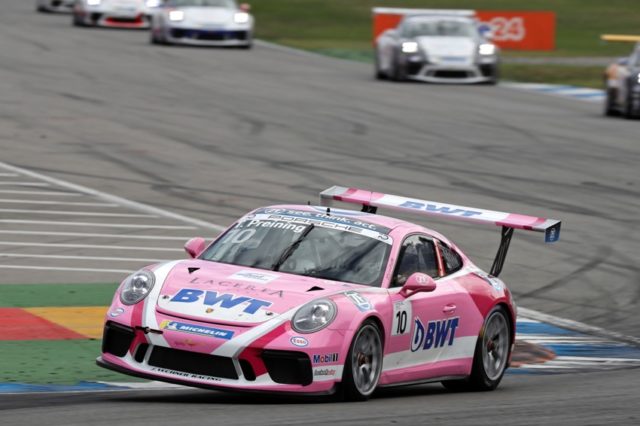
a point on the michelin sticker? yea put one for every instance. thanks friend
(196, 329)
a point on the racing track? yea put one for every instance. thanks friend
(212, 133)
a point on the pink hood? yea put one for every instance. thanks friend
(229, 294)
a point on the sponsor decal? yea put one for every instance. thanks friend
(196, 329)
(184, 375)
(359, 300)
(256, 277)
(322, 219)
(325, 372)
(435, 335)
(116, 312)
(440, 208)
(223, 300)
(239, 286)
(299, 341)
(325, 358)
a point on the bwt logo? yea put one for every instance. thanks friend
(435, 335)
(224, 300)
(434, 208)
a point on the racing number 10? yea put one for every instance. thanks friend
(401, 315)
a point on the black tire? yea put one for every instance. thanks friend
(629, 112)
(484, 376)
(76, 21)
(361, 366)
(379, 75)
(609, 103)
(398, 73)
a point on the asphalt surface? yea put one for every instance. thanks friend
(212, 133)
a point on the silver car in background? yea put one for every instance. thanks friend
(203, 23)
(113, 13)
(54, 5)
(436, 49)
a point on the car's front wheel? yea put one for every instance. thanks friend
(363, 364)
(492, 352)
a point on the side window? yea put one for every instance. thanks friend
(417, 254)
(452, 260)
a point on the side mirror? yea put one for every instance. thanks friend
(417, 283)
(194, 247)
(245, 7)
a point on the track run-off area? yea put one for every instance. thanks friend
(114, 152)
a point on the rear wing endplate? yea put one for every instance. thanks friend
(370, 201)
(621, 37)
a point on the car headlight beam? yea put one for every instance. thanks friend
(94, 2)
(487, 49)
(176, 15)
(314, 316)
(409, 47)
(137, 286)
(241, 17)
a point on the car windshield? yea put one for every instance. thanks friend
(317, 248)
(227, 4)
(438, 28)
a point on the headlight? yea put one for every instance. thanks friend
(137, 286)
(241, 18)
(152, 3)
(409, 47)
(93, 2)
(176, 15)
(314, 316)
(487, 49)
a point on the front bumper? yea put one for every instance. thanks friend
(463, 72)
(109, 17)
(204, 37)
(259, 366)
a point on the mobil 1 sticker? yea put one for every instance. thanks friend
(401, 315)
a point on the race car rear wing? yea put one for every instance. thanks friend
(370, 202)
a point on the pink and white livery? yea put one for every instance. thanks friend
(316, 300)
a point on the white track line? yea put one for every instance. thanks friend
(577, 326)
(60, 256)
(66, 203)
(88, 234)
(74, 213)
(9, 175)
(96, 225)
(89, 246)
(39, 184)
(52, 193)
(60, 268)
(113, 198)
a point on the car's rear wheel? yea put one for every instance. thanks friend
(363, 364)
(492, 352)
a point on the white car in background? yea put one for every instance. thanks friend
(436, 49)
(54, 5)
(113, 13)
(202, 23)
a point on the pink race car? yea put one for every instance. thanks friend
(316, 300)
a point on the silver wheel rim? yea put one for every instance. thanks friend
(495, 345)
(366, 360)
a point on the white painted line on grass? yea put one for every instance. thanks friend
(51, 193)
(89, 246)
(41, 184)
(74, 213)
(61, 268)
(70, 257)
(65, 203)
(96, 225)
(94, 235)
(113, 198)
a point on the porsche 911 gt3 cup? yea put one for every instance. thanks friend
(318, 300)
(113, 13)
(436, 48)
(202, 23)
(622, 81)
(54, 5)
